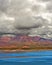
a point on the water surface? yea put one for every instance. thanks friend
(35, 57)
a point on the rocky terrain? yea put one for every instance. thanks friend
(24, 42)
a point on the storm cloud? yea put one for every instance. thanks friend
(31, 17)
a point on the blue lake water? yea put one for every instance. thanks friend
(26, 58)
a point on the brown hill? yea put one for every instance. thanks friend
(24, 42)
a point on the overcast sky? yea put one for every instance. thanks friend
(32, 17)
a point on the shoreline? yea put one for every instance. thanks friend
(20, 50)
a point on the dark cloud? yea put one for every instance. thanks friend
(29, 27)
(26, 17)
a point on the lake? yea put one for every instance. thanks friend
(26, 58)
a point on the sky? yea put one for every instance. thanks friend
(32, 17)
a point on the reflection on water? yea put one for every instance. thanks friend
(36, 56)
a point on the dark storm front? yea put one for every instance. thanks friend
(30, 17)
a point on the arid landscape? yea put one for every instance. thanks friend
(23, 42)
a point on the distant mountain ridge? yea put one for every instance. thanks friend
(24, 38)
(24, 41)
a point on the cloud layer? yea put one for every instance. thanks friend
(32, 17)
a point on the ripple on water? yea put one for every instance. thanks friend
(36, 56)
